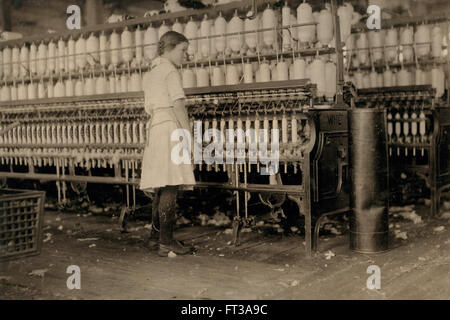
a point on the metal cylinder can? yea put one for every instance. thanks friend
(369, 225)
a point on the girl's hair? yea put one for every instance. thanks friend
(169, 40)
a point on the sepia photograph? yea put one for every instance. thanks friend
(224, 155)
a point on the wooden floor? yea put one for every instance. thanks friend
(263, 267)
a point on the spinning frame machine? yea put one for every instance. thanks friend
(417, 121)
(418, 135)
(65, 139)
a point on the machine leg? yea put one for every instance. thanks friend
(308, 223)
(434, 192)
(315, 241)
(434, 197)
(124, 213)
(308, 236)
(237, 226)
(77, 187)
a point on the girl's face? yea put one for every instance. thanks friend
(178, 53)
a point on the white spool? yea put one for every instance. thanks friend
(24, 61)
(376, 39)
(116, 56)
(251, 37)
(177, 27)
(163, 28)
(218, 76)
(236, 41)
(231, 76)
(273, 72)
(60, 90)
(294, 30)
(248, 73)
(380, 82)
(325, 27)
(50, 89)
(438, 81)
(427, 76)
(42, 59)
(213, 51)
(404, 77)
(394, 78)
(52, 52)
(304, 15)
(22, 92)
(101, 85)
(190, 32)
(107, 86)
(316, 15)
(60, 61)
(240, 70)
(436, 41)
(264, 72)
(362, 45)
(138, 41)
(391, 43)
(406, 40)
(135, 82)
(69, 87)
(205, 31)
(269, 21)
(92, 50)
(345, 16)
(318, 75)
(422, 35)
(282, 71)
(123, 83)
(330, 83)
(202, 76)
(126, 41)
(15, 59)
(373, 78)
(366, 80)
(41, 90)
(66, 59)
(387, 78)
(7, 62)
(80, 51)
(32, 91)
(298, 67)
(118, 85)
(89, 86)
(188, 78)
(291, 71)
(358, 77)
(79, 88)
(150, 43)
(112, 85)
(420, 78)
(71, 54)
(286, 21)
(14, 93)
(220, 27)
(308, 71)
(5, 93)
(104, 50)
(198, 54)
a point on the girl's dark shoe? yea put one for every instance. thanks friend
(153, 239)
(174, 246)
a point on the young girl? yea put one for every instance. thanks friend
(165, 102)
